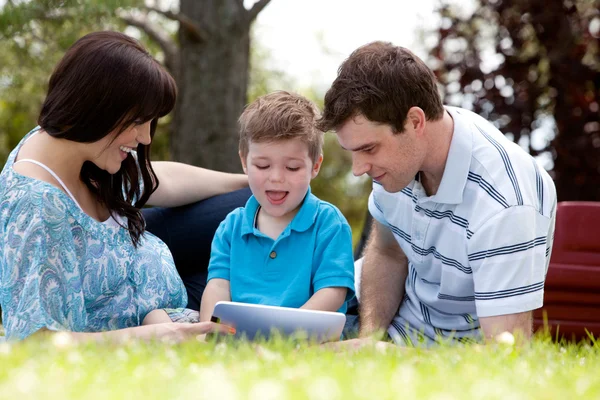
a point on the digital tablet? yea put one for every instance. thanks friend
(254, 320)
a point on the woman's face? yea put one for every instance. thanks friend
(113, 149)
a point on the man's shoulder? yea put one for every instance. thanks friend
(503, 170)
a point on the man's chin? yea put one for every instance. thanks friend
(392, 188)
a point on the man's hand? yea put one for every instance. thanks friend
(519, 325)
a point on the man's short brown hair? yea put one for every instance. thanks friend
(281, 116)
(381, 82)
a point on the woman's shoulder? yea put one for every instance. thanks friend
(32, 198)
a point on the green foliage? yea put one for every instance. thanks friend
(33, 37)
(35, 34)
(281, 369)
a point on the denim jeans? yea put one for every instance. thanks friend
(188, 232)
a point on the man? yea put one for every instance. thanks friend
(463, 217)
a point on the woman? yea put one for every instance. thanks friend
(73, 252)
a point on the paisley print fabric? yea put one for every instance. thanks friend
(62, 270)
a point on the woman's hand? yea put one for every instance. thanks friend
(180, 332)
(171, 332)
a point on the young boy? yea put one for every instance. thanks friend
(285, 247)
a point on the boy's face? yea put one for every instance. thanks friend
(279, 174)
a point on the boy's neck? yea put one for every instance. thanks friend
(274, 226)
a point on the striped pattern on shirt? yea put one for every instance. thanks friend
(480, 246)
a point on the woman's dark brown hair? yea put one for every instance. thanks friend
(381, 82)
(105, 82)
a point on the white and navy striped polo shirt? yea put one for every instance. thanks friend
(480, 246)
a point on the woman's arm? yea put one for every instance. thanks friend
(326, 299)
(170, 332)
(181, 184)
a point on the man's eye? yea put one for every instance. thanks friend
(369, 150)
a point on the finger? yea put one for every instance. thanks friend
(216, 328)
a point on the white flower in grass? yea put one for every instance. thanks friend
(506, 338)
(5, 348)
(267, 389)
(75, 358)
(220, 349)
(168, 371)
(582, 385)
(295, 373)
(121, 355)
(324, 389)
(213, 382)
(62, 340)
(267, 355)
(139, 372)
(26, 380)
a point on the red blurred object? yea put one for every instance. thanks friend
(572, 291)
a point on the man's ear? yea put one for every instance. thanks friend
(317, 167)
(243, 160)
(416, 120)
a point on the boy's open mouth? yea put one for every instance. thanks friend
(276, 196)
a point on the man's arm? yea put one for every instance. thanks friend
(384, 272)
(520, 325)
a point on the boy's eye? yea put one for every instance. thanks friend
(293, 169)
(261, 166)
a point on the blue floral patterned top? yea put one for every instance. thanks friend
(61, 269)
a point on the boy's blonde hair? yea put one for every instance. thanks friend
(280, 116)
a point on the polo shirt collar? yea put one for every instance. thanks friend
(456, 171)
(307, 214)
(302, 221)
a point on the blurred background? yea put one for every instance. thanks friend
(532, 67)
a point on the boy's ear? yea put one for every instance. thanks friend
(243, 160)
(317, 166)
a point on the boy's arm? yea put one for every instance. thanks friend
(216, 290)
(327, 299)
(333, 278)
(219, 268)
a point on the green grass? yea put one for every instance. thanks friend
(283, 370)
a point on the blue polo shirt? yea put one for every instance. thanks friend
(313, 252)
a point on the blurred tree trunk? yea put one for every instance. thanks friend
(212, 78)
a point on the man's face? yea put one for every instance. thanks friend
(391, 159)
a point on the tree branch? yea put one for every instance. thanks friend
(194, 30)
(257, 8)
(240, 5)
(168, 46)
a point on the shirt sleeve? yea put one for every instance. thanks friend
(220, 252)
(333, 254)
(508, 257)
(41, 286)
